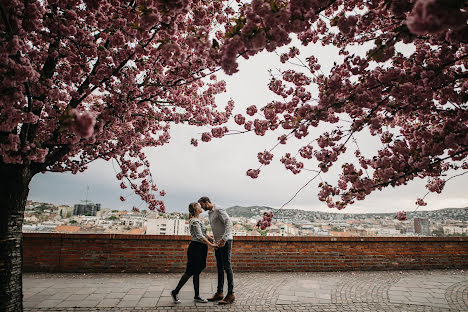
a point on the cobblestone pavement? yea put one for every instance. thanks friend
(444, 290)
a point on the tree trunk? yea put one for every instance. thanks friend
(14, 189)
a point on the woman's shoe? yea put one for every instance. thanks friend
(199, 299)
(175, 297)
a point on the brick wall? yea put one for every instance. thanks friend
(52, 252)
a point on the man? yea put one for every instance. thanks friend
(221, 225)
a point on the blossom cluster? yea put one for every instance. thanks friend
(293, 52)
(265, 222)
(265, 157)
(291, 163)
(401, 215)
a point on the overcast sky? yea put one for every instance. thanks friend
(217, 169)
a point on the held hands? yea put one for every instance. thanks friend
(210, 242)
(213, 245)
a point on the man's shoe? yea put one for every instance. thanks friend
(228, 299)
(216, 297)
(175, 297)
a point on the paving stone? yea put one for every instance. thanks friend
(60, 296)
(136, 291)
(147, 302)
(155, 288)
(95, 297)
(48, 291)
(76, 297)
(131, 298)
(103, 290)
(69, 304)
(115, 295)
(152, 294)
(88, 303)
(49, 303)
(127, 303)
(108, 303)
(29, 303)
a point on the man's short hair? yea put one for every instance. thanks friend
(204, 199)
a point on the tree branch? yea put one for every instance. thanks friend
(412, 172)
(5, 20)
(24, 132)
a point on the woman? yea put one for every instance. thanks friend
(196, 254)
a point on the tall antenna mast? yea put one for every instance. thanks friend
(86, 201)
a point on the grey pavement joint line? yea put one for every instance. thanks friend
(457, 295)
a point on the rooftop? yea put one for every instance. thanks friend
(432, 290)
(66, 228)
(137, 231)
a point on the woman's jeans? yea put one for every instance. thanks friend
(223, 263)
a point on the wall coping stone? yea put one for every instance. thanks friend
(401, 239)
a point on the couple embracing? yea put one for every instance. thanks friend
(221, 241)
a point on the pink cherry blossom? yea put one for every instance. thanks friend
(265, 222)
(421, 202)
(265, 157)
(253, 173)
(84, 124)
(239, 119)
(251, 110)
(401, 215)
(290, 163)
(206, 137)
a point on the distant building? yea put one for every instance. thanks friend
(357, 231)
(132, 221)
(274, 230)
(65, 211)
(239, 230)
(86, 209)
(167, 227)
(454, 230)
(387, 232)
(288, 230)
(421, 226)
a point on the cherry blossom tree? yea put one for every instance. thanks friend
(415, 104)
(82, 80)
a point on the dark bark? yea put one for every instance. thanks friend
(14, 189)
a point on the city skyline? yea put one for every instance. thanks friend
(46, 217)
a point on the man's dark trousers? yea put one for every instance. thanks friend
(223, 263)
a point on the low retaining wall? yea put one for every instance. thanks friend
(53, 252)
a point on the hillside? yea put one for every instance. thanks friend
(460, 214)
